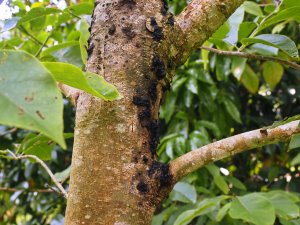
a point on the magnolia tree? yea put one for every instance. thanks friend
(115, 61)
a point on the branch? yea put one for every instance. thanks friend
(69, 92)
(253, 56)
(41, 162)
(200, 157)
(201, 18)
(33, 38)
(7, 189)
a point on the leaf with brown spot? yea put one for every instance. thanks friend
(29, 97)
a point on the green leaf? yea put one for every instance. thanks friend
(250, 80)
(296, 160)
(238, 66)
(264, 49)
(252, 8)
(218, 178)
(221, 184)
(81, 9)
(253, 208)
(186, 190)
(281, 42)
(295, 141)
(236, 183)
(29, 97)
(223, 211)
(211, 126)
(51, 50)
(89, 82)
(284, 15)
(222, 67)
(37, 145)
(245, 29)
(284, 206)
(192, 85)
(232, 110)
(234, 22)
(288, 4)
(83, 40)
(222, 31)
(289, 222)
(272, 73)
(63, 175)
(189, 215)
(228, 32)
(38, 12)
(205, 206)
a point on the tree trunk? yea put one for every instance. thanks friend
(135, 44)
(115, 176)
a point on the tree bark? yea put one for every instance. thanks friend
(135, 44)
(218, 150)
(115, 176)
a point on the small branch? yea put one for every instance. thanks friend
(7, 189)
(41, 162)
(253, 56)
(43, 45)
(200, 157)
(22, 29)
(201, 18)
(69, 92)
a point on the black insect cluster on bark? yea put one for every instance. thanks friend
(130, 34)
(112, 29)
(129, 3)
(164, 7)
(171, 20)
(158, 67)
(157, 33)
(142, 187)
(161, 172)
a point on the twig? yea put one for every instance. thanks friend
(43, 45)
(22, 29)
(73, 14)
(7, 189)
(253, 56)
(41, 162)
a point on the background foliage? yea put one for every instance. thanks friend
(212, 97)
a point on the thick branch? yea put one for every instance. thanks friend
(203, 17)
(253, 56)
(197, 158)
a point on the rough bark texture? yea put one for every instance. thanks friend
(115, 176)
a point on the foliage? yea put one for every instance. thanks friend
(212, 97)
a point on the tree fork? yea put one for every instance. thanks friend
(135, 45)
